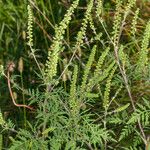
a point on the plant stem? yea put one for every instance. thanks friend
(23, 97)
(11, 94)
(123, 73)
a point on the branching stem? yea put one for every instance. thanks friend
(123, 73)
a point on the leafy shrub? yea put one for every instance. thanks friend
(106, 101)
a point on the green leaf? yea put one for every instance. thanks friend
(50, 129)
(122, 107)
(1, 141)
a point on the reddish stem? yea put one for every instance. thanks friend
(11, 94)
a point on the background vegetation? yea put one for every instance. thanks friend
(75, 75)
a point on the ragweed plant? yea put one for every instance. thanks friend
(101, 107)
(143, 60)
(57, 47)
(134, 22)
